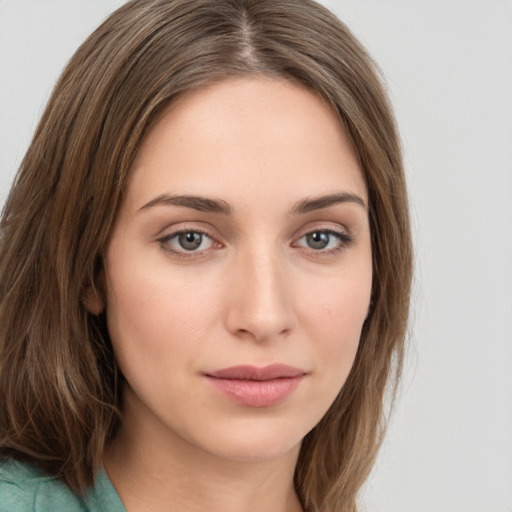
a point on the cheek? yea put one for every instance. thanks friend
(333, 317)
(150, 317)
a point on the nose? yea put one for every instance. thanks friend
(259, 297)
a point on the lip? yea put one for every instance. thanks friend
(254, 386)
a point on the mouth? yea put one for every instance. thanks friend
(256, 387)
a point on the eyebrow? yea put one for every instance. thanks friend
(202, 204)
(310, 205)
(221, 207)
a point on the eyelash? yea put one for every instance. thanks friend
(343, 238)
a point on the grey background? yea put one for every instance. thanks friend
(449, 69)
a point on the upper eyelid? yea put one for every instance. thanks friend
(205, 228)
(330, 226)
(187, 230)
(169, 236)
(331, 231)
(184, 227)
(344, 237)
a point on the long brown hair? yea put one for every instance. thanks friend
(59, 384)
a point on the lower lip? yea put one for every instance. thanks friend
(256, 393)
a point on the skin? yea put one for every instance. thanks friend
(253, 292)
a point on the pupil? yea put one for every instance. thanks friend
(318, 240)
(190, 241)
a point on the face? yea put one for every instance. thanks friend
(239, 272)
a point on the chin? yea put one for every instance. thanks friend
(255, 441)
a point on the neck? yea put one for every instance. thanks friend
(158, 471)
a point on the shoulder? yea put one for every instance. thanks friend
(24, 488)
(17, 484)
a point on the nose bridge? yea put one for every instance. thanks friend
(260, 305)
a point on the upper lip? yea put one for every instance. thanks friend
(248, 372)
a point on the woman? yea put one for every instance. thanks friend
(205, 267)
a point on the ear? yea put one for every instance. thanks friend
(93, 300)
(93, 297)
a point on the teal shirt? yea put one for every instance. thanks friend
(23, 488)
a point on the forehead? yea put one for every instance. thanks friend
(260, 134)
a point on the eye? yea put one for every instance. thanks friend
(183, 242)
(324, 240)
